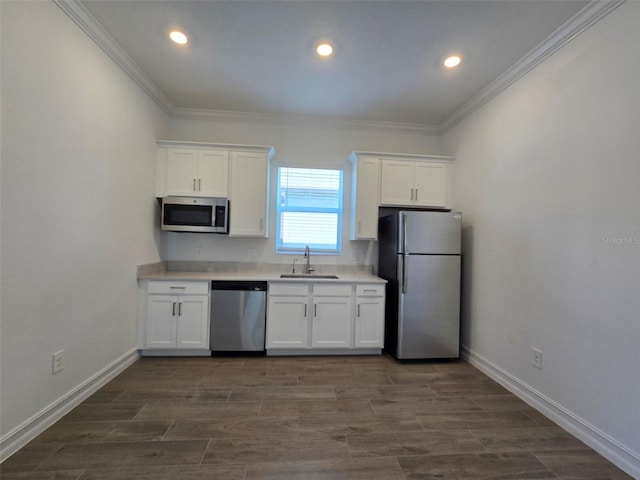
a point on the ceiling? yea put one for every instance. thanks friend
(258, 56)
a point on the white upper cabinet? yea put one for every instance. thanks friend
(237, 172)
(430, 184)
(365, 197)
(398, 180)
(213, 173)
(416, 181)
(248, 195)
(182, 171)
(396, 187)
(196, 173)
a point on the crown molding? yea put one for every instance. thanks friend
(585, 18)
(298, 119)
(407, 156)
(87, 22)
(219, 146)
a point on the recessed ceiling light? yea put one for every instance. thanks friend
(324, 49)
(452, 61)
(178, 37)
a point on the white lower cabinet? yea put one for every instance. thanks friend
(177, 315)
(369, 320)
(331, 316)
(287, 320)
(322, 316)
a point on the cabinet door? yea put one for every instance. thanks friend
(396, 182)
(182, 172)
(369, 322)
(193, 321)
(287, 322)
(160, 329)
(248, 181)
(430, 184)
(331, 325)
(367, 180)
(213, 174)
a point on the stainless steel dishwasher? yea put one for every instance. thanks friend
(238, 316)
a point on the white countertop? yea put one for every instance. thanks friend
(264, 276)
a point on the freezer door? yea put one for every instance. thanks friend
(429, 308)
(430, 232)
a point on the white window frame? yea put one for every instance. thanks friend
(298, 249)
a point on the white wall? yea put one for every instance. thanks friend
(78, 207)
(547, 177)
(313, 143)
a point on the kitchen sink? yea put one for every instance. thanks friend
(309, 276)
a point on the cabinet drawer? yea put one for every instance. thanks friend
(289, 289)
(370, 290)
(332, 290)
(179, 288)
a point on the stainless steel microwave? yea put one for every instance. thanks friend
(195, 214)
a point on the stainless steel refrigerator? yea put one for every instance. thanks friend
(419, 256)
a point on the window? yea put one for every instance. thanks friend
(309, 210)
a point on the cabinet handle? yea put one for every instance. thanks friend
(199, 184)
(416, 194)
(315, 309)
(178, 288)
(358, 309)
(194, 184)
(180, 309)
(369, 290)
(305, 309)
(412, 194)
(173, 310)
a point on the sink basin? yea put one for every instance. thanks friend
(309, 276)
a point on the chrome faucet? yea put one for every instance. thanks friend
(307, 254)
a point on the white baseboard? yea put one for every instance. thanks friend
(608, 447)
(31, 428)
(302, 352)
(174, 352)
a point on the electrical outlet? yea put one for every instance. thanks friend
(251, 255)
(197, 251)
(536, 358)
(57, 361)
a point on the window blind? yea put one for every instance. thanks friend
(309, 210)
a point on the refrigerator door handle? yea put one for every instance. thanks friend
(404, 273)
(404, 234)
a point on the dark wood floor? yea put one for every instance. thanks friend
(327, 418)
